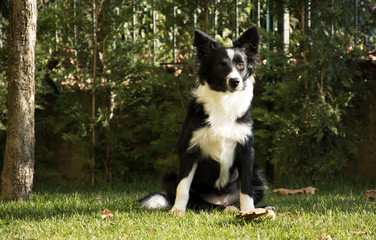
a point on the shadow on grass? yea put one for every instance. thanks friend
(63, 201)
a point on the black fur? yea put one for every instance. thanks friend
(222, 74)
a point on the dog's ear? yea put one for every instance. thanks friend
(204, 44)
(249, 41)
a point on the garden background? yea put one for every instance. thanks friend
(113, 78)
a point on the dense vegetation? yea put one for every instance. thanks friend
(114, 76)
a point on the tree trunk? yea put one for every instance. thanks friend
(206, 17)
(18, 171)
(1, 28)
(93, 104)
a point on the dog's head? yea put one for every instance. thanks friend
(227, 69)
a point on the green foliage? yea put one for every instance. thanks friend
(304, 99)
(308, 99)
(155, 112)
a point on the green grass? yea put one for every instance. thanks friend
(339, 210)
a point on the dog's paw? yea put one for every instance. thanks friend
(177, 212)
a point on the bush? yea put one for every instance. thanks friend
(304, 119)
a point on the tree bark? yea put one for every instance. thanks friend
(93, 106)
(206, 17)
(18, 170)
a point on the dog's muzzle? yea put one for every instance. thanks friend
(234, 82)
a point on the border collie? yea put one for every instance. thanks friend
(216, 144)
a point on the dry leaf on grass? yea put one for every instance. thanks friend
(296, 218)
(359, 233)
(152, 230)
(310, 190)
(271, 214)
(307, 190)
(285, 214)
(284, 191)
(371, 194)
(106, 214)
(325, 236)
(256, 214)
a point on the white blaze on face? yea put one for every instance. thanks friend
(234, 71)
(230, 53)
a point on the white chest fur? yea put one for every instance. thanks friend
(220, 137)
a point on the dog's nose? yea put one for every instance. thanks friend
(234, 82)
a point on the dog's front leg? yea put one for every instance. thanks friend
(182, 191)
(244, 157)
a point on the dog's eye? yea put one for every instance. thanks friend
(240, 66)
(222, 65)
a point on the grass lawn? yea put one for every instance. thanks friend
(338, 210)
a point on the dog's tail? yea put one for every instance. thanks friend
(158, 200)
(154, 201)
(259, 184)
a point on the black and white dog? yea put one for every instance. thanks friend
(216, 144)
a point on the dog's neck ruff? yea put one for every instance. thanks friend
(224, 107)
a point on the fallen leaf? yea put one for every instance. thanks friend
(256, 214)
(271, 214)
(285, 214)
(325, 236)
(252, 214)
(112, 223)
(106, 214)
(152, 230)
(297, 218)
(284, 191)
(310, 190)
(359, 233)
(307, 190)
(371, 194)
